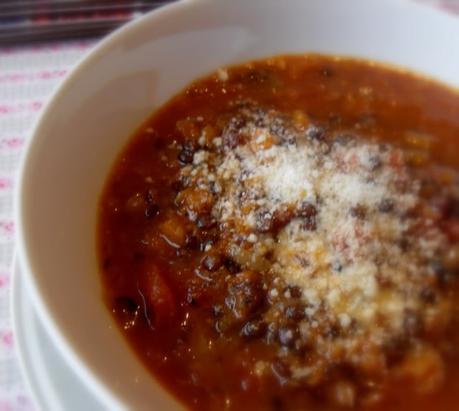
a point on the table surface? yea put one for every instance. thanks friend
(28, 75)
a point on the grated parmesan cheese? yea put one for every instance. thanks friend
(331, 215)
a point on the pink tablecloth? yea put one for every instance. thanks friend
(27, 77)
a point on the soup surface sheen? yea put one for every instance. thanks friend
(284, 235)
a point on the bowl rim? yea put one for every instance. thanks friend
(84, 370)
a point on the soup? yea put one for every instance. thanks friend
(284, 235)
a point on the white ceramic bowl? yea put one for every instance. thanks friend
(116, 88)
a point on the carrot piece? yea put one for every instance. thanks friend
(174, 231)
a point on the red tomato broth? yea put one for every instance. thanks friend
(172, 336)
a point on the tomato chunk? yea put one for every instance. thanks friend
(452, 229)
(159, 298)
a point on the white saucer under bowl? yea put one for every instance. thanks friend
(52, 383)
